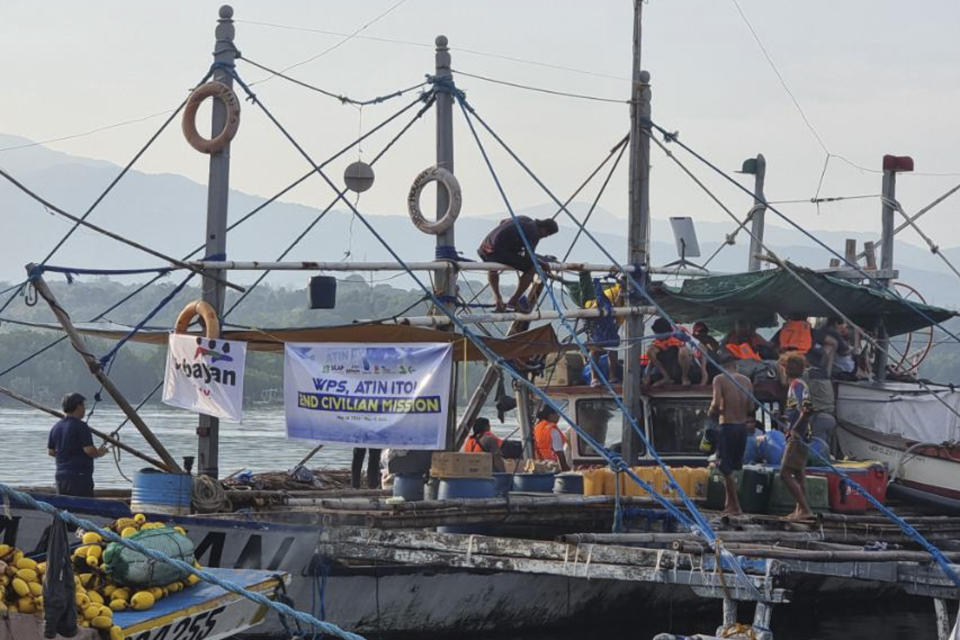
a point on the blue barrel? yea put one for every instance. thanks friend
(465, 488)
(502, 483)
(408, 486)
(158, 492)
(534, 482)
(568, 483)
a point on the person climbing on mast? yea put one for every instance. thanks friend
(505, 245)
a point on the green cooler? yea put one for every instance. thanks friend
(816, 489)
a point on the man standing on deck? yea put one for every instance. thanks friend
(733, 405)
(71, 443)
(505, 245)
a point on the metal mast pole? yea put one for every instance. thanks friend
(757, 214)
(889, 192)
(638, 237)
(218, 189)
(446, 279)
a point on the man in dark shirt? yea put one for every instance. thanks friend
(71, 443)
(505, 245)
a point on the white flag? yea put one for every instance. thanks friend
(205, 376)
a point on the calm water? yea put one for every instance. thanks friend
(260, 444)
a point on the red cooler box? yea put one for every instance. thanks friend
(872, 476)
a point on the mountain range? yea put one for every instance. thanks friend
(167, 212)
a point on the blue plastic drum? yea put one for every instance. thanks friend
(534, 482)
(408, 486)
(452, 488)
(158, 492)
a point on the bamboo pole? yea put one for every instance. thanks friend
(532, 316)
(10, 393)
(80, 346)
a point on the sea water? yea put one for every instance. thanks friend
(259, 444)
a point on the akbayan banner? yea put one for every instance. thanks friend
(205, 376)
(372, 395)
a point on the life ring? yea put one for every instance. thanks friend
(221, 92)
(206, 313)
(454, 200)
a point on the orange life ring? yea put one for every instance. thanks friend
(206, 313)
(221, 92)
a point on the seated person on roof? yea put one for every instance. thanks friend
(833, 337)
(505, 245)
(746, 344)
(796, 335)
(613, 293)
(669, 356)
(705, 342)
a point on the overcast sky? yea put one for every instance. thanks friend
(872, 77)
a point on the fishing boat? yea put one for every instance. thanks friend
(342, 551)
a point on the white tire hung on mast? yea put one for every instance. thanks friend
(445, 180)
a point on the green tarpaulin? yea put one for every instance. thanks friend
(760, 296)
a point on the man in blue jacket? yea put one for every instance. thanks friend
(71, 443)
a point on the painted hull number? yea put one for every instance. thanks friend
(196, 627)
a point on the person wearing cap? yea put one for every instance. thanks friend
(706, 343)
(505, 245)
(71, 443)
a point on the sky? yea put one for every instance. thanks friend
(871, 77)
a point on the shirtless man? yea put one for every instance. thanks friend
(734, 407)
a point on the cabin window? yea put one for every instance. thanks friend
(602, 419)
(678, 424)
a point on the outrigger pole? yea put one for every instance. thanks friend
(532, 316)
(435, 266)
(218, 191)
(638, 235)
(97, 370)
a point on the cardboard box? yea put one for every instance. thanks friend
(562, 370)
(449, 464)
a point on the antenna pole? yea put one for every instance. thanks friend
(218, 190)
(757, 214)
(446, 279)
(638, 236)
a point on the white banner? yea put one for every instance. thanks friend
(371, 395)
(205, 376)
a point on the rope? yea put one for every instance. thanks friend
(31, 502)
(341, 98)
(231, 227)
(906, 527)
(329, 207)
(140, 325)
(903, 524)
(553, 92)
(612, 458)
(209, 496)
(673, 137)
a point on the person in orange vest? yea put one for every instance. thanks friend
(796, 334)
(746, 344)
(483, 440)
(668, 355)
(548, 440)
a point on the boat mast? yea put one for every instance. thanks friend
(638, 236)
(218, 189)
(446, 279)
(759, 171)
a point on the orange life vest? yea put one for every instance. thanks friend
(796, 335)
(743, 351)
(543, 440)
(472, 445)
(666, 343)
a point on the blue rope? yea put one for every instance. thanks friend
(674, 137)
(904, 526)
(613, 458)
(140, 325)
(284, 610)
(449, 252)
